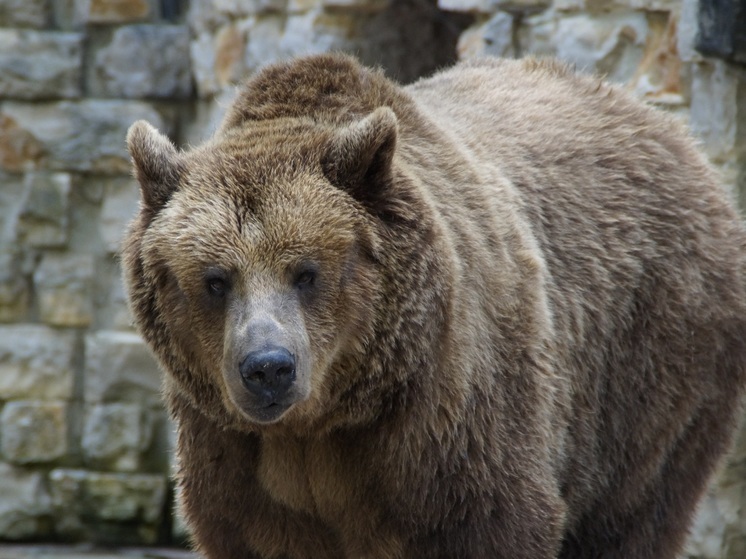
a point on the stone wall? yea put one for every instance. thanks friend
(84, 441)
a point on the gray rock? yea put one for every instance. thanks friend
(36, 362)
(40, 64)
(120, 368)
(263, 46)
(102, 507)
(317, 31)
(116, 435)
(121, 197)
(33, 432)
(25, 505)
(609, 44)
(44, 218)
(713, 110)
(25, 13)
(14, 293)
(64, 285)
(112, 11)
(127, 67)
(493, 37)
(83, 136)
(483, 6)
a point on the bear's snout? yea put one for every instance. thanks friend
(268, 373)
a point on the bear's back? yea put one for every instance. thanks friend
(643, 251)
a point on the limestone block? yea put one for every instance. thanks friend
(14, 293)
(207, 117)
(493, 37)
(687, 29)
(112, 11)
(484, 6)
(12, 194)
(202, 52)
(359, 5)
(40, 64)
(317, 31)
(85, 136)
(25, 13)
(120, 368)
(714, 109)
(263, 42)
(609, 44)
(658, 76)
(116, 435)
(521, 6)
(219, 58)
(718, 519)
(33, 432)
(44, 217)
(121, 197)
(127, 67)
(536, 34)
(236, 9)
(64, 286)
(108, 507)
(25, 504)
(36, 362)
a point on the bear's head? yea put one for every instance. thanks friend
(253, 268)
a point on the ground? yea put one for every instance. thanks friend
(89, 552)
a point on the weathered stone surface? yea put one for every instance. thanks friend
(120, 368)
(658, 76)
(360, 5)
(218, 59)
(36, 362)
(317, 31)
(44, 217)
(484, 6)
(25, 13)
(33, 432)
(128, 68)
(14, 293)
(521, 6)
(119, 207)
(610, 44)
(25, 505)
(40, 64)
(536, 34)
(207, 117)
(263, 42)
(116, 435)
(714, 112)
(12, 194)
(82, 136)
(112, 11)
(493, 37)
(64, 286)
(108, 507)
(718, 523)
(687, 29)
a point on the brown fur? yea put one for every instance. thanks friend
(526, 338)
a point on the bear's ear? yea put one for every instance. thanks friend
(158, 165)
(359, 158)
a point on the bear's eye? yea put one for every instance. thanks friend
(305, 278)
(216, 285)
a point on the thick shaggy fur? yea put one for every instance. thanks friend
(522, 334)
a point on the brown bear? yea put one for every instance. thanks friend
(499, 313)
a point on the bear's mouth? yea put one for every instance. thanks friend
(268, 413)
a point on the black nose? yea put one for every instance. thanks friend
(268, 372)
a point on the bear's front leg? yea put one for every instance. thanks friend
(227, 510)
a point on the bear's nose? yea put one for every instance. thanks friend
(268, 373)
